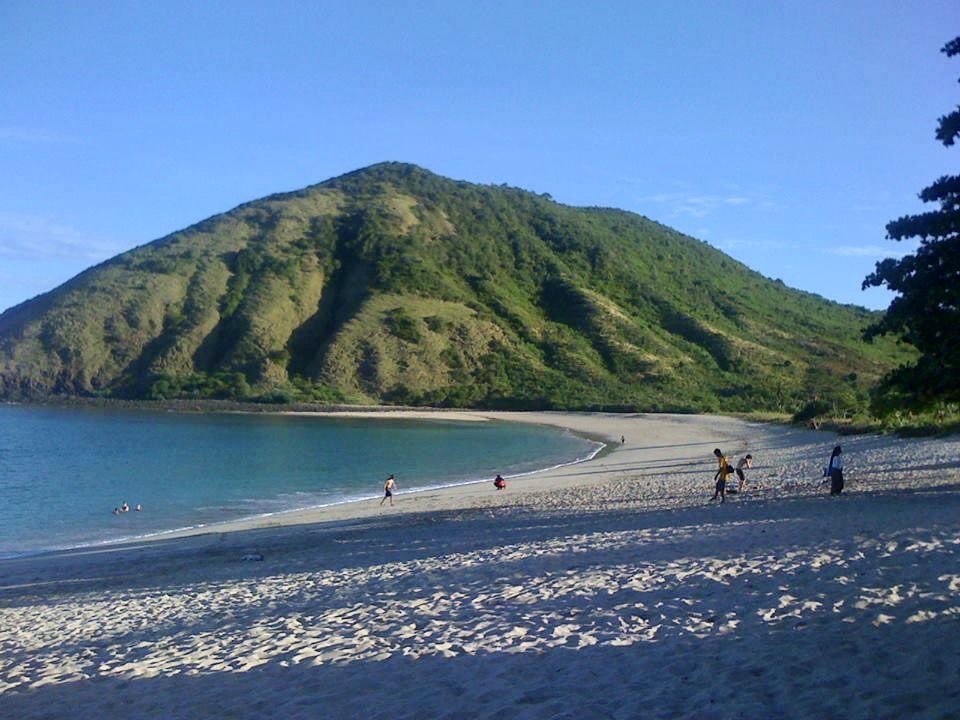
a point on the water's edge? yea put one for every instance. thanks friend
(599, 449)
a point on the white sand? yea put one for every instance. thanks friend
(607, 589)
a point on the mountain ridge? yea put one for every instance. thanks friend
(393, 284)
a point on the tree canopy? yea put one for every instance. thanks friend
(926, 312)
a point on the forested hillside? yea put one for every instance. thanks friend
(394, 285)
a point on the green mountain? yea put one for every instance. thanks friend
(392, 284)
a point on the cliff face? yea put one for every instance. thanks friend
(391, 284)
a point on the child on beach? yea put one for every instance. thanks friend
(388, 488)
(721, 476)
(721, 459)
(721, 487)
(745, 462)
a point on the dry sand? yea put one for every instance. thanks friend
(610, 589)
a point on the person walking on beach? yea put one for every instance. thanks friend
(835, 471)
(721, 483)
(388, 488)
(745, 462)
(722, 462)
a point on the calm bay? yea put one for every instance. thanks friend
(64, 470)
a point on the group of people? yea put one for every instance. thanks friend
(833, 471)
(126, 508)
(725, 470)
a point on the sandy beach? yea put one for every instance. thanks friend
(609, 589)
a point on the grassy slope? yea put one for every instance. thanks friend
(393, 284)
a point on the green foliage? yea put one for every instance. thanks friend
(298, 390)
(436, 324)
(926, 311)
(401, 325)
(939, 419)
(220, 386)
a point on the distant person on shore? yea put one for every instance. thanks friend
(835, 471)
(622, 439)
(124, 507)
(745, 462)
(499, 483)
(721, 483)
(388, 487)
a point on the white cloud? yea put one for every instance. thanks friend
(736, 243)
(852, 251)
(699, 205)
(865, 251)
(31, 237)
(13, 134)
(30, 135)
(18, 280)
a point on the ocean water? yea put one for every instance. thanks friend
(64, 470)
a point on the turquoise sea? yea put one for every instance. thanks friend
(64, 470)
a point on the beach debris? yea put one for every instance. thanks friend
(252, 557)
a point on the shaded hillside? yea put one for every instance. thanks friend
(391, 284)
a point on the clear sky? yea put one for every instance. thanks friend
(786, 134)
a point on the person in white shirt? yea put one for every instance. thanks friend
(745, 462)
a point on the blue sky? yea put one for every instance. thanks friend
(786, 134)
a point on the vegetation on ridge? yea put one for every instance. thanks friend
(394, 285)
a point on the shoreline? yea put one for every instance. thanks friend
(603, 428)
(599, 428)
(596, 427)
(315, 513)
